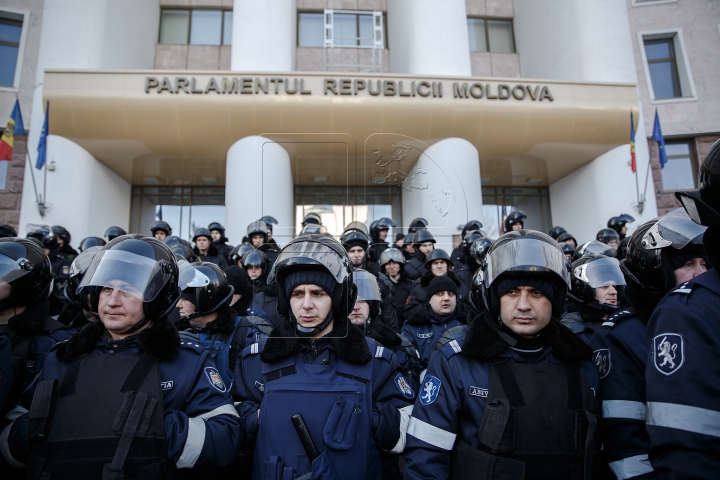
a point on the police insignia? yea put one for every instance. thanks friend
(167, 385)
(425, 335)
(668, 352)
(260, 386)
(602, 361)
(402, 384)
(215, 379)
(478, 392)
(430, 390)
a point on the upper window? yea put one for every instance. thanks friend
(663, 67)
(489, 35)
(341, 29)
(310, 30)
(10, 35)
(679, 172)
(196, 27)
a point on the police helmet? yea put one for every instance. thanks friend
(607, 235)
(173, 241)
(566, 237)
(568, 249)
(62, 234)
(183, 252)
(7, 231)
(377, 226)
(312, 217)
(202, 232)
(209, 289)
(595, 271)
(45, 236)
(479, 248)
(354, 238)
(90, 242)
(269, 221)
(368, 290)
(359, 226)
(556, 231)
(408, 240)
(703, 206)
(651, 248)
(77, 270)
(254, 258)
(594, 247)
(24, 265)
(438, 254)
(417, 224)
(308, 253)
(617, 223)
(468, 240)
(114, 232)
(476, 291)
(258, 227)
(138, 265)
(237, 253)
(217, 226)
(314, 229)
(470, 226)
(526, 253)
(161, 225)
(422, 236)
(391, 254)
(518, 216)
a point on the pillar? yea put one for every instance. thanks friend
(264, 35)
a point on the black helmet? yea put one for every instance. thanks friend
(161, 225)
(479, 248)
(368, 290)
(703, 206)
(183, 252)
(237, 253)
(202, 232)
(7, 231)
(354, 238)
(417, 224)
(556, 231)
(377, 226)
(564, 237)
(269, 221)
(470, 226)
(24, 265)
(209, 290)
(75, 275)
(90, 242)
(114, 232)
(617, 223)
(320, 253)
(594, 271)
(421, 236)
(359, 226)
(438, 254)
(258, 227)
(518, 216)
(62, 233)
(468, 240)
(647, 265)
(45, 236)
(314, 229)
(594, 247)
(254, 258)
(476, 291)
(173, 241)
(391, 254)
(312, 218)
(408, 240)
(217, 226)
(138, 265)
(607, 235)
(568, 249)
(527, 253)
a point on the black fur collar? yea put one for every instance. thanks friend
(383, 334)
(160, 339)
(348, 342)
(422, 316)
(212, 251)
(427, 278)
(483, 341)
(31, 321)
(224, 323)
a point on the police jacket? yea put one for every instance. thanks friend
(424, 328)
(213, 256)
(400, 293)
(582, 320)
(415, 267)
(349, 390)
(388, 314)
(222, 247)
(267, 300)
(418, 295)
(200, 423)
(683, 380)
(375, 250)
(461, 408)
(466, 270)
(405, 351)
(457, 256)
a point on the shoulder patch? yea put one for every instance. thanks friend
(403, 386)
(215, 379)
(430, 389)
(668, 352)
(260, 386)
(253, 349)
(453, 347)
(378, 350)
(603, 361)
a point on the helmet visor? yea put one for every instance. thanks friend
(366, 285)
(523, 255)
(190, 276)
(600, 272)
(675, 229)
(83, 261)
(309, 253)
(357, 226)
(11, 270)
(130, 273)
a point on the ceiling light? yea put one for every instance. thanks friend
(320, 178)
(151, 180)
(534, 180)
(209, 179)
(485, 179)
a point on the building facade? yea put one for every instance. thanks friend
(207, 110)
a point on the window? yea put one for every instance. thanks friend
(310, 30)
(488, 35)
(663, 68)
(10, 38)
(342, 29)
(679, 172)
(196, 27)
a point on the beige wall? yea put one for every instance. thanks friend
(192, 57)
(490, 8)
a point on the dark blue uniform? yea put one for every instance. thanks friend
(683, 380)
(620, 356)
(424, 329)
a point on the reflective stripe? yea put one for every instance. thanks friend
(683, 290)
(193, 444)
(455, 346)
(254, 348)
(379, 351)
(405, 413)
(16, 412)
(631, 467)
(608, 324)
(684, 417)
(5, 447)
(623, 409)
(431, 434)
(221, 410)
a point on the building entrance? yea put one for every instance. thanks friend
(499, 202)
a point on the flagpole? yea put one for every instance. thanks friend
(41, 206)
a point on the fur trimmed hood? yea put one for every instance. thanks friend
(483, 341)
(422, 316)
(348, 342)
(224, 323)
(160, 339)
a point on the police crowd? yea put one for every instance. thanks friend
(527, 356)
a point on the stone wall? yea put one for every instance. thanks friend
(10, 197)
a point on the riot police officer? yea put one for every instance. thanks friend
(378, 235)
(161, 230)
(437, 264)
(313, 367)
(408, 248)
(423, 243)
(567, 237)
(206, 250)
(128, 398)
(556, 231)
(89, 242)
(270, 222)
(593, 247)
(258, 235)
(471, 260)
(392, 276)
(619, 224)
(609, 237)
(237, 254)
(219, 240)
(64, 239)
(416, 224)
(515, 221)
(490, 401)
(114, 232)
(256, 265)
(59, 263)
(77, 313)
(458, 254)
(7, 231)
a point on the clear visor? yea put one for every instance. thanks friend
(525, 256)
(600, 273)
(312, 253)
(83, 261)
(675, 229)
(11, 270)
(357, 226)
(133, 274)
(190, 276)
(392, 254)
(366, 285)
(598, 248)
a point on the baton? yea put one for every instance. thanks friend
(305, 438)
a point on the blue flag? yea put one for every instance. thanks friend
(658, 137)
(42, 144)
(17, 117)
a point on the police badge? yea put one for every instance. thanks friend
(668, 352)
(602, 361)
(215, 379)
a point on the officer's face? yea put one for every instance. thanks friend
(525, 311)
(517, 226)
(257, 240)
(691, 269)
(607, 295)
(119, 310)
(443, 303)
(202, 243)
(623, 230)
(382, 235)
(613, 243)
(360, 313)
(254, 271)
(310, 304)
(185, 307)
(160, 235)
(356, 255)
(427, 247)
(439, 268)
(409, 247)
(216, 235)
(392, 268)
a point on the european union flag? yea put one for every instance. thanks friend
(658, 137)
(42, 144)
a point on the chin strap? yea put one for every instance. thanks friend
(310, 331)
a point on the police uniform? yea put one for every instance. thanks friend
(424, 328)
(683, 381)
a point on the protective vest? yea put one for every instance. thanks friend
(104, 420)
(539, 422)
(336, 406)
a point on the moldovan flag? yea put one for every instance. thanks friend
(14, 126)
(633, 162)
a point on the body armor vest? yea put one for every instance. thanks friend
(105, 419)
(539, 423)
